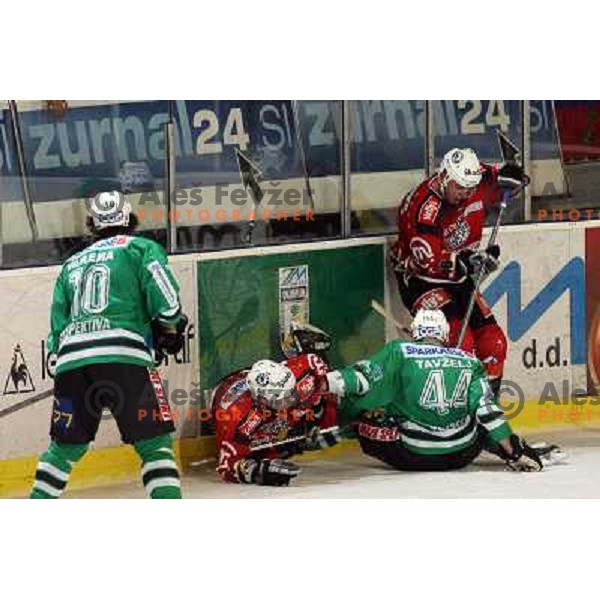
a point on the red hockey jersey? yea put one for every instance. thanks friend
(431, 232)
(244, 430)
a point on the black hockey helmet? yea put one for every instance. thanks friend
(303, 338)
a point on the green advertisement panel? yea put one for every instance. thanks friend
(245, 305)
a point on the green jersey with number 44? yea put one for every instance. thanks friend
(438, 396)
(104, 300)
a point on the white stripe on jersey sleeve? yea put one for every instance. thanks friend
(164, 285)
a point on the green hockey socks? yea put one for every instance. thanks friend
(54, 468)
(160, 474)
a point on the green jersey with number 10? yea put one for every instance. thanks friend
(104, 300)
(437, 395)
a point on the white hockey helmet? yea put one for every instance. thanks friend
(272, 383)
(109, 209)
(461, 166)
(430, 324)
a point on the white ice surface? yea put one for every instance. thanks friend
(352, 475)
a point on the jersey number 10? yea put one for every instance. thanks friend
(90, 290)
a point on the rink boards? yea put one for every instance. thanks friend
(239, 301)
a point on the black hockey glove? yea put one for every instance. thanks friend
(266, 471)
(523, 457)
(473, 262)
(511, 176)
(317, 439)
(168, 342)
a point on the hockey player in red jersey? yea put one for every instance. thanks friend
(266, 414)
(437, 255)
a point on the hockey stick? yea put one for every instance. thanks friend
(482, 273)
(251, 175)
(298, 438)
(509, 153)
(378, 308)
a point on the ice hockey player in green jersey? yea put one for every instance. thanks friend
(422, 406)
(113, 304)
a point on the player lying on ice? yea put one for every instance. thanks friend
(114, 302)
(268, 413)
(436, 256)
(422, 406)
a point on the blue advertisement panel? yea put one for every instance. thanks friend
(389, 135)
(99, 146)
(94, 146)
(473, 123)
